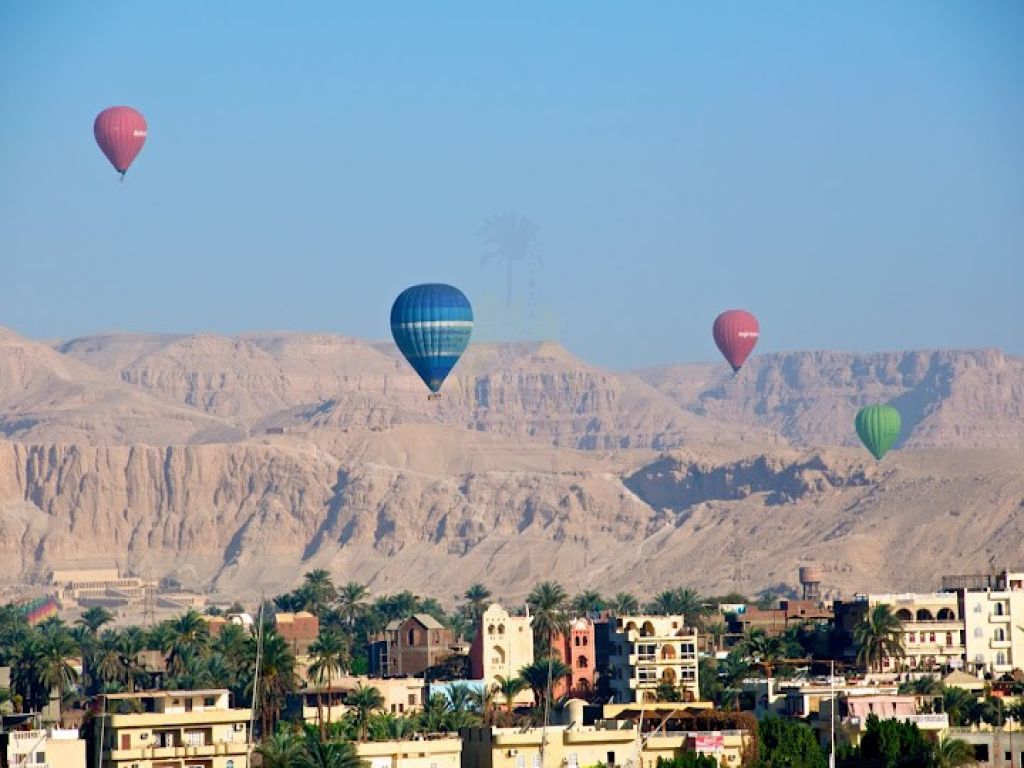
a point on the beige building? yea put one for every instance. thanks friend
(412, 753)
(648, 651)
(52, 748)
(994, 620)
(172, 729)
(402, 696)
(503, 646)
(609, 742)
(994, 747)
(933, 629)
(855, 709)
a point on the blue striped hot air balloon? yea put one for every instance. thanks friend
(431, 324)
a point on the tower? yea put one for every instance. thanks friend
(810, 580)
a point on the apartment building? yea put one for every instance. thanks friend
(172, 729)
(502, 647)
(994, 624)
(933, 629)
(402, 696)
(645, 652)
(994, 747)
(854, 709)
(43, 748)
(430, 752)
(410, 646)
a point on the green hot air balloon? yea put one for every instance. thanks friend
(878, 427)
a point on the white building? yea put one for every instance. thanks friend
(994, 621)
(648, 651)
(51, 748)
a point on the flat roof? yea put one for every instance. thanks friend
(166, 694)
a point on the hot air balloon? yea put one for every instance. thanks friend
(431, 324)
(736, 333)
(878, 427)
(120, 132)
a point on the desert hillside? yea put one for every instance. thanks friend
(236, 463)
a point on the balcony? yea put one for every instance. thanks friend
(929, 722)
(999, 643)
(999, 618)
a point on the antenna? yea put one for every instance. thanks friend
(255, 682)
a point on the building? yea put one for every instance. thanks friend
(994, 747)
(855, 709)
(610, 743)
(410, 646)
(402, 696)
(994, 624)
(578, 651)
(56, 747)
(430, 752)
(172, 729)
(775, 621)
(299, 630)
(502, 647)
(646, 652)
(933, 630)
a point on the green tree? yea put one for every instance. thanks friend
(765, 650)
(52, 662)
(893, 743)
(280, 750)
(364, 700)
(187, 637)
(878, 636)
(476, 601)
(952, 753)
(329, 656)
(323, 753)
(509, 688)
(318, 591)
(716, 630)
(352, 603)
(624, 604)
(588, 603)
(789, 743)
(956, 703)
(542, 674)
(94, 618)
(276, 675)
(548, 602)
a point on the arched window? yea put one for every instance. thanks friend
(924, 614)
(576, 641)
(997, 609)
(490, 630)
(904, 615)
(582, 662)
(946, 615)
(648, 630)
(501, 629)
(412, 637)
(668, 652)
(999, 635)
(585, 641)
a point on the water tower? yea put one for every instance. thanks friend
(810, 580)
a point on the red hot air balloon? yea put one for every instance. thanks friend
(120, 132)
(736, 333)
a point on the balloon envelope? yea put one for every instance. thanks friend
(431, 325)
(120, 132)
(736, 333)
(878, 427)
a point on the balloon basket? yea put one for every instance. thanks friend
(434, 396)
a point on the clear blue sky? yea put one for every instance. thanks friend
(852, 172)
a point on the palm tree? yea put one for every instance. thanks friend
(541, 675)
(108, 662)
(624, 604)
(95, 617)
(277, 675)
(476, 598)
(317, 591)
(460, 697)
(511, 237)
(364, 700)
(952, 753)
(320, 753)
(509, 688)
(280, 750)
(435, 716)
(548, 602)
(588, 603)
(878, 636)
(52, 662)
(352, 602)
(764, 649)
(956, 703)
(330, 657)
(188, 635)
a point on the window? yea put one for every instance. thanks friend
(490, 630)
(40, 757)
(520, 761)
(949, 638)
(911, 637)
(412, 699)
(931, 637)
(209, 701)
(573, 760)
(585, 640)
(412, 637)
(501, 629)
(999, 635)
(195, 738)
(1000, 658)
(576, 641)
(536, 760)
(689, 674)
(581, 662)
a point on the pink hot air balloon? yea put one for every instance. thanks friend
(120, 132)
(736, 333)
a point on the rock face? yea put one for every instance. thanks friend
(235, 464)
